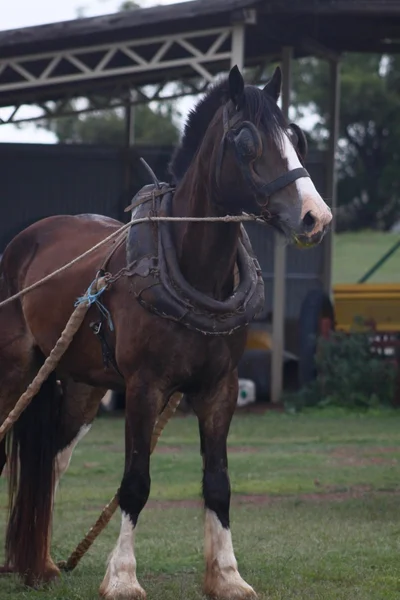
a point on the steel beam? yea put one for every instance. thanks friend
(194, 49)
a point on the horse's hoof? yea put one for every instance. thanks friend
(122, 591)
(50, 574)
(228, 586)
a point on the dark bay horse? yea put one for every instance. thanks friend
(175, 322)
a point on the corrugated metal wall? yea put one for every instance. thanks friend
(42, 180)
(37, 181)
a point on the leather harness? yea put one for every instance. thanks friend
(153, 270)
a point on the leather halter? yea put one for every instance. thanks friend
(248, 147)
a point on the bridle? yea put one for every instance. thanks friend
(246, 141)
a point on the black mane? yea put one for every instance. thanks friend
(258, 107)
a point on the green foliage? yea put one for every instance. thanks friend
(350, 375)
(108, 127)
(369, 157)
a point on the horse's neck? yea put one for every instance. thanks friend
(207, 251)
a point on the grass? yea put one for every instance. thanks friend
(355, 253)
(315, 509)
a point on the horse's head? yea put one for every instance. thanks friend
(259, 162)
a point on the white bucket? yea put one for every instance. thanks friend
(247, 392)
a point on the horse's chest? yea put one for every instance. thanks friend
(190, 357)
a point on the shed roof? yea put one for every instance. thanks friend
(339, 25)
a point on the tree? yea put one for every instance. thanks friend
(108, 126)
(369, 149)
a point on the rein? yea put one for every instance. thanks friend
(246, 141)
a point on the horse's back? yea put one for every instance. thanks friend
(52, 242)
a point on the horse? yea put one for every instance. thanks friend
(173, 319)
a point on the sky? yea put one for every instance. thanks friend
(26, 13)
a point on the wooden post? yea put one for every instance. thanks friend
(279, 295)
(331, 183)
(237, 52)
(128, 143)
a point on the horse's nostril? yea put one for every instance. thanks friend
(308, 221)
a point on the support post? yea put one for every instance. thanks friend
(128, 143)
(331, 183)
(237, 52)
(279, 294)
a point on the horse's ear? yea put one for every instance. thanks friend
(273, 86)
(236, 86)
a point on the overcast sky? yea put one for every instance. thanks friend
(25, 13)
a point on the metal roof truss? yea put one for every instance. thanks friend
(113, 66)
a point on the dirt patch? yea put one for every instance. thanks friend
(381, 450)
(327, 494)
(363, 457)
(359, 461)
(167, 449)
(330, 494)
(242, 450)
(118, 448)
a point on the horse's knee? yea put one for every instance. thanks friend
(217, 494)
(133, 493)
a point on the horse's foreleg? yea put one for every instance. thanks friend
(142, 404)
(222, 578)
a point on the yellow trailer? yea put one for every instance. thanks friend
(367, 305)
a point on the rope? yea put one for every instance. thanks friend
(50, 363)
(34, 286)
(111, 507)
(64, 342)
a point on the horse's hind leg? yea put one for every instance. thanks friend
(79, 407)
(214, 412)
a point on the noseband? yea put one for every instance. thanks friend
(246, 141)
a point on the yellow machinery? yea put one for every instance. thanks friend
(374, 305)
(360, 306)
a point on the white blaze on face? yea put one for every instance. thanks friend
(311, 200)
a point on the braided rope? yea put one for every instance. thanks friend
(111, 507)
(34, 286)
(61, 347)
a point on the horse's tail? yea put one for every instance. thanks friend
(32, 448)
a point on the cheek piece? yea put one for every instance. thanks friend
(247, 144)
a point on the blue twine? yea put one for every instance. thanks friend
(93, 298)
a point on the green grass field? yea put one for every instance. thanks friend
(315, 509)
(355, 253)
